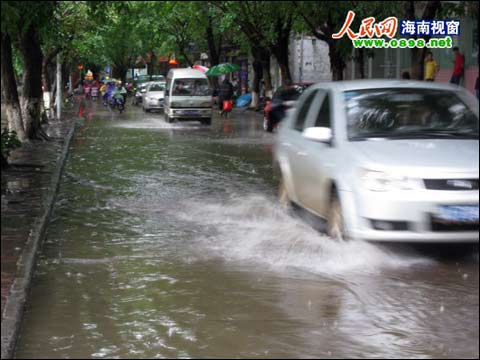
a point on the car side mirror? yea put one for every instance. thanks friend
(320, 134)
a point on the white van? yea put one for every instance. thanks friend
(188, 96)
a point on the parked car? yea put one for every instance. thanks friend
(154, 96)
(139, 91)
(284, 98)
(188, 96)
(384, 160)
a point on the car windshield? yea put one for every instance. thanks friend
(408, 114)
(157, 87)
(191, 87)
(143, 78)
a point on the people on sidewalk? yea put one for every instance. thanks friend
(458, 67)
(431, 67)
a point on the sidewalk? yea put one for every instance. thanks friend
(28, 192)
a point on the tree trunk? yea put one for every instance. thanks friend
(9, 90)
(417, 55)
(280, 50)
(212, 46)
(47, 81)
(214, 54)
(4, 162)
(258, 66)
(153, 64)
(361, 62)
(267, 77)
(257, 76)
(337, 64)
(120, 72)
(32, 84)
(285, 72)
(185, 56)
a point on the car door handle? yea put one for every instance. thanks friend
(302, 153)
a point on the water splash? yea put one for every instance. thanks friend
(255, 229)
(158, 123)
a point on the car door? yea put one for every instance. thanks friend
(292, 144)
(317, 157)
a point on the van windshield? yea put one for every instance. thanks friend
(191, 87)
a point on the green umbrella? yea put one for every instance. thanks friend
(220, 69)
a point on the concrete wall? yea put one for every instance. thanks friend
(309, 60)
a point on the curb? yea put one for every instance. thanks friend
(15, 303)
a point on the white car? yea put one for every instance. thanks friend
(384, 160)
(154, 96)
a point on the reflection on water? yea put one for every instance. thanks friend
(170, 244)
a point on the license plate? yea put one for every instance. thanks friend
(458, 213)
(191, 112)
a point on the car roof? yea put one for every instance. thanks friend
(187, 74)
(380, 83)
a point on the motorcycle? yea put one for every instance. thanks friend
(117, 103)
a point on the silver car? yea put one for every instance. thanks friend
(384, 160)
(154, 96)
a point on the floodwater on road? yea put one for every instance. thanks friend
(167, 241)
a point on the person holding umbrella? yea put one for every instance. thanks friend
(225, 95)
(225, 92)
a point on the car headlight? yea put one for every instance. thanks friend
(381, 181)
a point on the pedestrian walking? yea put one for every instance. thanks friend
(458, 67)
(225, 94)
(431, 67)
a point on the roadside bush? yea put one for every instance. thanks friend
(9, 142)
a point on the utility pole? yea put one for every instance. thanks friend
(59, 88)
(301, 59)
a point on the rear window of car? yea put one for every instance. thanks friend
(157, 87)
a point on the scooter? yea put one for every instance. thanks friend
(117, 103)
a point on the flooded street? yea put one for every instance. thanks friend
(167, 241)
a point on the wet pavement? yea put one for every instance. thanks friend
(167, 241)
(23, 194)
